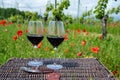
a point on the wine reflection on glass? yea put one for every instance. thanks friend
(35, 36)
(55, 35)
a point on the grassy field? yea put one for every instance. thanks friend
(81, 41)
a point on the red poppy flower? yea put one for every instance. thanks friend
(26, 31)
(66, 37)
(115, 72)
(10, 22)
(84, 30)
(67, 31)
(78, 31)
(83, 43)
(19, 33)
(95, 49)
(79, 54)
(39, 45)
(47, 49)
(3, 22)
(101, 37)
(14, 38)
(19, 25)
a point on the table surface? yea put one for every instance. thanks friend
(73, 69)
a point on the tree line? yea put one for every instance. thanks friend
(13, 14)
(7, 12)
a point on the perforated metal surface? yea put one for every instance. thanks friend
(73, 69)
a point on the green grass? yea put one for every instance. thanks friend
(109, 53)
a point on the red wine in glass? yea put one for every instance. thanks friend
(35, 39)
(55, 40)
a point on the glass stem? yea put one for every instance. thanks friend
(35, 46)
(55, 49)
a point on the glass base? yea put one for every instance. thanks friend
(35, 63)
(54, 66)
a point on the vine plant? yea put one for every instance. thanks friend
(101, 14)
(57, 11)
(85, 14)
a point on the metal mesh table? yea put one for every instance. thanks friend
(73, 69)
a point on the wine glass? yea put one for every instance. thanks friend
(55, 35)
(35, 36)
